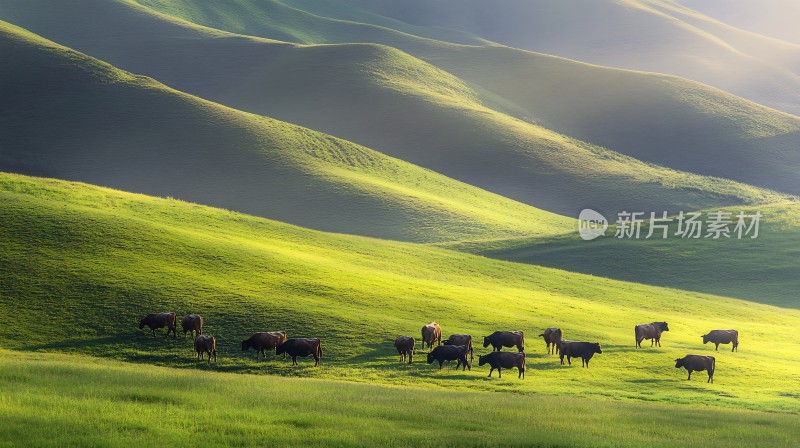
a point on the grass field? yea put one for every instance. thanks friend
(126, 405)
(761, 270)
(94, 261)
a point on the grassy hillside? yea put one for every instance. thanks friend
(401, 106)
(773, 18)
(762, 270)
(70, 116)
(652, 35)
(82, 264)
(124, 405)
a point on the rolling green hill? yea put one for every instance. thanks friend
(773, 18)
(761, 270)
(70, 116)
(403, 107)
(651, 35)
(80, 265)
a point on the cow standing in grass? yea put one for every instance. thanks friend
(552, 338)
(262, 341)
(192, 324)
(405, 346)
(302, 347)
(461, 339)
(161, 320)
(583, 350)
(431, 333)
(205, 345)
(717, 337)
(500, 339)
(504, 360)
(697, 363)
(450, 353)
(650, 331)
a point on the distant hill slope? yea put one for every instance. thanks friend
(762, 270)
(67, 115)
(81, 265)
(395, 103)
(652, 35)
(773, 18)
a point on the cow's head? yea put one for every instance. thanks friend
(245, 345)
(141, 324)
(663, 326)
(597, 348)
(481, 360)
(430, 357)
(705, 339)
(679, 363)
(486, 341)
(281, 349)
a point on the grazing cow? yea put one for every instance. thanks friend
(301, 347)
(205, 344)
(650, 331)
(722, 337)
(583, 350)
(431, 333)
(405, 347)
(552, 337)
(161, 320)
(461, 339)
(262, 341)
(500, 339)
(697, 363)
(504, 360)
(444, 353)
(192, 324)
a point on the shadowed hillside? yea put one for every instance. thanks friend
(71, 116)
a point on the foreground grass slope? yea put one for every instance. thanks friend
(81, 265)
(763, 270)
(392, 102)
(70, 116)
(76, 400)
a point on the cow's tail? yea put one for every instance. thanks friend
(541, 335)
(319, 350)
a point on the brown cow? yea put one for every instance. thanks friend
(205, 344)
(722, 337)
(431, 333)
(192, 324)
(650, 331)
(552, 337)
(262, 341)
(405, 346)
(450, 353)
(161, 320)
(461, 339)
(504, 360)
(583, 350)
(697, 363)
(500, 339)
(301, 347)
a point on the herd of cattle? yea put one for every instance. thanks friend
(457, 347)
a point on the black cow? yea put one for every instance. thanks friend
(302, 347)
(552, 337)
(161, 320)
(263, 341)
(697, 363)
(650, 331)
(722, 337)
(583, 350)
(500, 339)
(405, 347)
(444, 353)
(504, 360)
(461, 339)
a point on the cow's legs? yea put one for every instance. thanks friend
(717, 349)
(690, 376)
(499, 373)
(491, 369)
(294, 360)
(441, 363)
